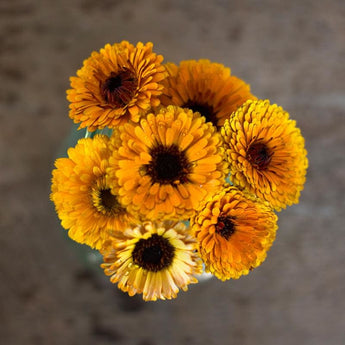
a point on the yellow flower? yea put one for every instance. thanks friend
(155, 259)
(206, 87)
(83, 199)
(167, 164)
(234, 232)
(266, 153)
(117, 84)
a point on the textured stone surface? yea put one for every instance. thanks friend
(291, 52)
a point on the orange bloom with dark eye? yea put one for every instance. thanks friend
(168, 164)
(266, 153)
(84, 202)
(117, 84)
(205, 87)
(234, 232)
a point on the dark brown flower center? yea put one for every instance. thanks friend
(107, 203)
(154, 253)
(119, 88)
(168, 165)
(204, 109)
(225, 226)
(259, 156)
(108, 200)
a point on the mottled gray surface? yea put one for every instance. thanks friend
(291, 52)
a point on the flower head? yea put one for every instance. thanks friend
(205, 87)
(155, 259)
(84, 202)
(266, 153)
(117, 84)
(234, 232)
(167, 164)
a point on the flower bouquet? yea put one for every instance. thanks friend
(181, 171)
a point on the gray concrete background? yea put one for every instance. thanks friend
(291, 52)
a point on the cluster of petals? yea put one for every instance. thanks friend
(77, 182)
(234, 232)
(183, 136)
(178, 256)
(115, 85)
(266, 153)
(206, 87)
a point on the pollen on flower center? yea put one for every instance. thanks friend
(119, 88)
(168, 165)
(259, 156)
(204, 109)
(153, 254)
(225, 227)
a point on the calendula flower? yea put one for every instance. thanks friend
(84, 202)
(167, 164)
(117, 84)
(155, 259)
(266, 153)
(206, 87)
(234, 232)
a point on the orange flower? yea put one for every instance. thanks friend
(266, 153)
(117, 84)
(168, 164)
(83, 199)
(234, 232)
(205, 87)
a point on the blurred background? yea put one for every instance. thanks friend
(291, 52)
